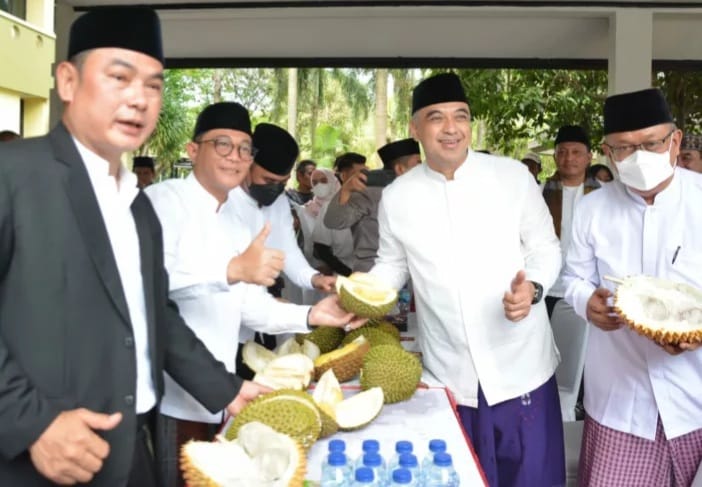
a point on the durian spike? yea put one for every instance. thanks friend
(615, 280)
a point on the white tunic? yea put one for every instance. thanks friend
(462, 242)
(630, 380)
(199, 240)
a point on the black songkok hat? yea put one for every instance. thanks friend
(143, 161)
(136, 28)
(223, 115)
(635, 111)
(441, 88)
(389, 152)
(277, 149)
(573, 133)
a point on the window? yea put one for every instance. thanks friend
(18, 8)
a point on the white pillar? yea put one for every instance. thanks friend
(63, 18)
(630, 50)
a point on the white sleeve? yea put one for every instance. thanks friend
(262, 312)
(541, 248)
(580, 276)
(298, 270)
(391, 263)
(192, 273)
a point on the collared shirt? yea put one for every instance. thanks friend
(630, 380)
(200, 237)
(115, 197)
(463, 241)
(571, 197)
(282, 237)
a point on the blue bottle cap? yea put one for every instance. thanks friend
(401, 476)
(337, 445)
(403, 446)
(372, 459)
(364, 474)
(408, 460)
(371, 445)
(436, 445)
(443, 459)
(337, 459)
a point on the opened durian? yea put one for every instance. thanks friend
(293, 371)
(352, 413)
(365, 295)
(393, 369)
(346, 361)
(259, 456)
(665, 311)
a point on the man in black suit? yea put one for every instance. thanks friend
(86, 327)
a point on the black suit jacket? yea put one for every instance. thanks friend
(66, 339)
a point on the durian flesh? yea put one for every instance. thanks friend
(365, 295)
(259, 456)
(665, 311)
(352, 413)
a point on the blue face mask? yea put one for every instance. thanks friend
(266, 194)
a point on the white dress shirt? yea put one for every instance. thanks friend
(199, 240)
(630, 380)
(115, 200)
(462, 242)
(282, 237)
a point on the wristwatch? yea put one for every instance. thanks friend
(538, 292)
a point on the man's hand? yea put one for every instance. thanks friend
(517, 301)
(69, 451)
(324, 283)
(248, 392)
(601, 314)
(328, 312)
(257, 264)
(355, 183)
(680, 347)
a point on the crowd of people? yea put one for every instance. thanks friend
(122, 300)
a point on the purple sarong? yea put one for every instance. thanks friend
(519, 442)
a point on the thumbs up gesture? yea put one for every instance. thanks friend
(258, 264)
(517, 301)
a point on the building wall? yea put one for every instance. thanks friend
(27, 53)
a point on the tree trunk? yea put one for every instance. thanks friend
(216, 86)
(292, 101)
(381, 107)
(318, 95)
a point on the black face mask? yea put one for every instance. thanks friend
(266, 194)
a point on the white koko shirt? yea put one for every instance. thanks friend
(462, 242)
(199, 240)
(630, 380)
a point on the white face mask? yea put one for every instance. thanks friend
(322, 190)
(644, 170)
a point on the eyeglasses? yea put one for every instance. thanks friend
(623, 151)
(224, 146)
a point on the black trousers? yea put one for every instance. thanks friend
(143, 473)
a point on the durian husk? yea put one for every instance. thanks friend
(658, 335)
(346, 362)
(327, 338)
(365, 295)
(394, 370)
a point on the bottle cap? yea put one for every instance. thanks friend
(372, 459)
(337, 445)
(336, 459)
(408, 460)
(371, 445)
(403, 446)
(442, 459)
(401, 476)
(436, 445)
(364, 474)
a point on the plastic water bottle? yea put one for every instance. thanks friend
(365, 477)
(441, 473)
(401, 447)
(337, 445)
(409, 461)
(403, 477)
(335, 471)
(403, 301)
(374, 461)
(435, 446)
(368, 446)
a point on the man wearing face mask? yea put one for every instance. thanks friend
(261, 199)
(644, 413)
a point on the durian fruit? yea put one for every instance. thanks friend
(259, 456)
(374, 335)
(388, 328)
(256, 356)
(665, 311)
(286, 413)
(288, 346)
(346, 361)
(310, 349)
(365, 295)
(327, 338)
(293, 371)
(348, 414)
(393, 369)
